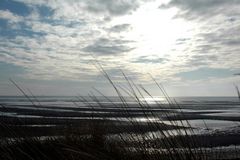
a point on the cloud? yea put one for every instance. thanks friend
(208, 8)
(57, 38)
(150, 59)
(105, 46)
(52, 48)
(7, 15)
(120, 28)
(214, 42)
(206, 73)
(75, 9)
(116, 7)
(223, 44)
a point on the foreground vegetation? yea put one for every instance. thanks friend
(104, 138)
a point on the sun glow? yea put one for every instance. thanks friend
(156, 30)
(154, 100)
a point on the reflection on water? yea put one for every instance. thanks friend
(202, 124)
(154, 100)
(152, 135)
(233, 113)
(201, 110)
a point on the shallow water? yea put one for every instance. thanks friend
(202, 124)
(222, 109)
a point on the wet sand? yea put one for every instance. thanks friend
(29, 120)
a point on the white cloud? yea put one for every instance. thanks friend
(124, 32)
(7, 15)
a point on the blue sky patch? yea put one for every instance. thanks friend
(15, 7)
(45, 11)
(3, 24)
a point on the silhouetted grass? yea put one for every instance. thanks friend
(103, 138)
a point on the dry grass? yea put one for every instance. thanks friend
(154, 141)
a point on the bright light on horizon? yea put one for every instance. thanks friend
(154, 99)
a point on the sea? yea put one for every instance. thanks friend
(217, 113)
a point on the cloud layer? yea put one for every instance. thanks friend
(60, 40)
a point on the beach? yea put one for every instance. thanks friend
(212, 121)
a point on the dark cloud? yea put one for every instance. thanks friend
(192, 8)
(201, 60)
(198, 4)
(217, 41)
(113, 7)
(202, 55)
(120, 28)
(147, 59)
(181, 41)
(105, 46)
(231, 42)
(236, 74)
(223, 36)
(224, 41)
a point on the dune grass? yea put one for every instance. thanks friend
(108, 139)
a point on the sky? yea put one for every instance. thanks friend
(53, 47)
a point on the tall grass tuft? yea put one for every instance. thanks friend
(122, 135)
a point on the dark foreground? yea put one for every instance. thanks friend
(118, 132)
